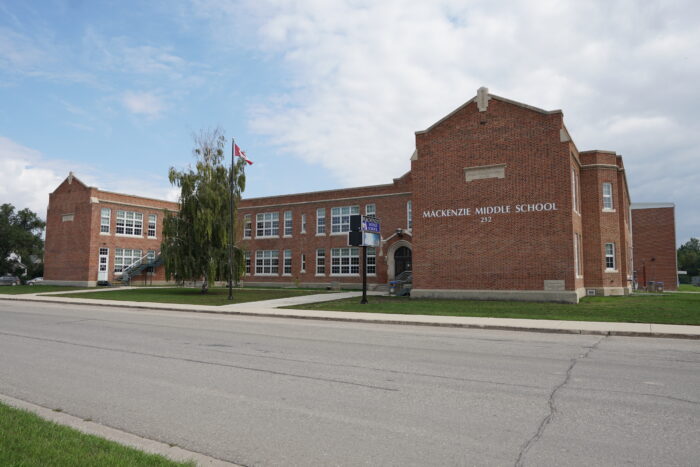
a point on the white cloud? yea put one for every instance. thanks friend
(27, 178)
(143, 103)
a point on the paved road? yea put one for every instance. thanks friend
(271, 391)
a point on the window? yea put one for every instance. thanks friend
(345, 261)
(577, 254)
(151, 255)
(607, 196)
(247, 226)
(610, 256)
(371, 210)
(268, 224)
(303, 263)
(371, 261)
(266, 262)
(576, 202)
(124, 257)
(287, 223)
(105, 217)
(320, 262)
(409, 214)
(287, 262)
(129, 223)
(320, 221)
(340, 218)
(303, 223)
(247, 262)
(152, 225)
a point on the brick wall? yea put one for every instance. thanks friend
(655, 244)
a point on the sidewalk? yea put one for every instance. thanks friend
(271, 308)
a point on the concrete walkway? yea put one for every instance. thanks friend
(272, 308)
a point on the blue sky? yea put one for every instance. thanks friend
(324, 94)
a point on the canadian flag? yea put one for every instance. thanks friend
(238, 152)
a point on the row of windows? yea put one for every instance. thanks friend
(267, 223)
(344, 262)
(576, 190)
(127, 223)
(123, 257)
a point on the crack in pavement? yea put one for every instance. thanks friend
(519, 462)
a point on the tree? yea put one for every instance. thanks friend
(195, 240)
(20, 240)
(689, 257)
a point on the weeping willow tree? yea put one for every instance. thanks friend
(196, 239)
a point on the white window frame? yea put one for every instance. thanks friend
(248, 226)
(371, 261)
(610, 259)
(287, 268)
(345, 261)
(340, 218)
(105, 220)
(575, 191)
(268, 223)
(267, 263)
(370, 209)
(321, 221)
(409, 214)
(303, 263)
(607, 189)
(246, 256)
(320, 262)
(152, 225)
(288, 224)
(130, 223)
(303, 223)
(578, 261)
(124, 257)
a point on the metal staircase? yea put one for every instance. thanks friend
(138, 266)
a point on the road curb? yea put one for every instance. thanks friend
(113, 434)
(498, 327)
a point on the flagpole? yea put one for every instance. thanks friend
(230, 242)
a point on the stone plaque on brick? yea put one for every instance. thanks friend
(554, 286)
(484, 171)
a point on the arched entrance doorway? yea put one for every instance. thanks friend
(399, 258)
(402, 260)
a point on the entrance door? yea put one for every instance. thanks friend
(103, 265)
(402, 260)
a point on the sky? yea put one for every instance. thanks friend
(324, 94)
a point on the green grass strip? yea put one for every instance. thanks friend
(24, 289)
(669, 308)
(27, 440)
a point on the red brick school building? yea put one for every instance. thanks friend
(499, 203)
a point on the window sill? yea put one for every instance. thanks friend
(319, 275)
(261, 237)
(611, 270)
(152, 238)
(246, 238)
(105, 233)
(128, 235)
(608, 210)
(320, 234)
(339, 233)
(286, 236)
(266, 275)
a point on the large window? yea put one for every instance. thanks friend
(303, 263)
(610, 256)
(607, 196)
(152, 218)
(129, 223)
(577, 255)
(287, 262)
(124, 257)
(303, 223)
(105, 217)
(371, 261)
(371, 210)
(266, 263)
(320, 262)
(287, 223)
(247, 226)
(409, 214)
(268, 224)
(575, 191)
(320, 221)
(247, 262)
(340, 218)
(345, 261)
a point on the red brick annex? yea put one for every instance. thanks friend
(499, 203)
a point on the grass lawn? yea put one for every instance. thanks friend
(192, 296)
(670, 308)
(22, 289)
(688, 288)
(28, 440)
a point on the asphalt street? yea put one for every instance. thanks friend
(273, 391)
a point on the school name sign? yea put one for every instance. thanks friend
(491, 210)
